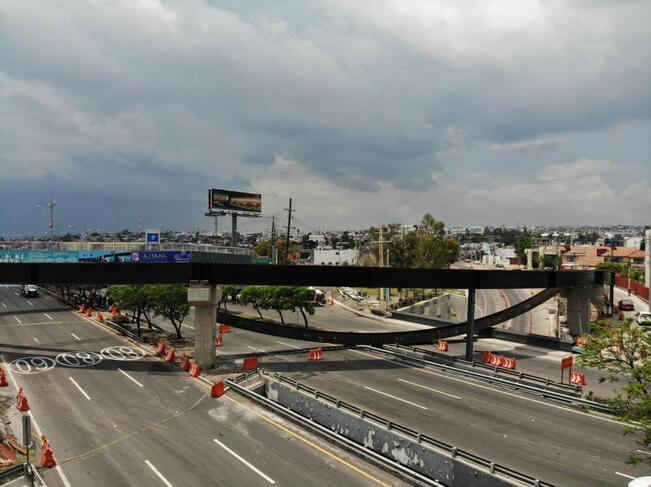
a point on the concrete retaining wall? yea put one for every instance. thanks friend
(438, 307)
(419, 457)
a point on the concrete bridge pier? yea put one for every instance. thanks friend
(578, 307)
(204, 297)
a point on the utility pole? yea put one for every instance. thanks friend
(381, 255)
(274, 259)
(50, 205)
(289, 226)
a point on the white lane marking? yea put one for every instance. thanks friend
(429, 388)
(30, 303)
(624, 475)
(48, 316)
(79, 387)
(62, 476)
(266, 477)
(130, 377)
(4, 305)
(36, 340)
(259, 350)
(160, 475)
(15, 293)
(592, 415)
(17, 319)
(644, 452)
(75, 336)
(289, 345)
(394, 397)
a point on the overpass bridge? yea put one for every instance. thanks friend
(205, 291)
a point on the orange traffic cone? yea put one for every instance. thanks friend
(82, 309)
(100, 317)
(185, 363)
(21, 401)
(621, 316)
(219, 341)
(47, 457)
(195, 370)
(160, 348)
(89, 312)
(169, 356)
(3, 378)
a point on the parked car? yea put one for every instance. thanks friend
(626, 305)
(29, 291)
(643, 318)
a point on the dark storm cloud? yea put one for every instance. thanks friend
(148, 98)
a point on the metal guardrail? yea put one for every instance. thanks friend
(546, 393)
(372, 457)
(475, 364)
(492, 467)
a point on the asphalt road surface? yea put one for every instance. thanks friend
(115, 416)
(551, 442)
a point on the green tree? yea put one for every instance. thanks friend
(256, 296)
(278, 298)
(136, 299)
(171, 302)
(263, 249)
(621, 351)
(301, 298)
(520, 247)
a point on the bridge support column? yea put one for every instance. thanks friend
(470, 334)
(578, 307)
(204, 297)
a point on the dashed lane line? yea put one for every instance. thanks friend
(252, 467)
(127, 375)
(36, 340)
(18, 319)
(289, 345)
(48, 316)
(75, 336)
(80, 389)
(429, 388)
(30, 303)
(395, 397)
(158, 474)
(4, 305)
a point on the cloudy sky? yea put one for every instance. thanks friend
(479, 112)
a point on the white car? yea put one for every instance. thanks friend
(643, 318)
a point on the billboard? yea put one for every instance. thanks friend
(221, 199)
(162, 256)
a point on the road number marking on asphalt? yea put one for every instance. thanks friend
(429, 388)
(160, 475)
(134, 380)
(394, 397)
(78, 359)
(17, 319)
(32, 365)
(48, 316)
(122, 352)
(260, 473)
(80, 389)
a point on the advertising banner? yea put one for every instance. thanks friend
(162, 256)
(34, 256)
(222, 199)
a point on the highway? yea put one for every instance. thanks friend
(115, 416)
(541, 438)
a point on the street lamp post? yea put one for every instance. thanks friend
(50, 205)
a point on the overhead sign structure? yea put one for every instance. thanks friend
(152, 237)
(222, 199)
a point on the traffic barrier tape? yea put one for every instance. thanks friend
(21, 401)
(217, 389)
(224, 328)
(47, 457)
(195, 370)
(250, 363)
